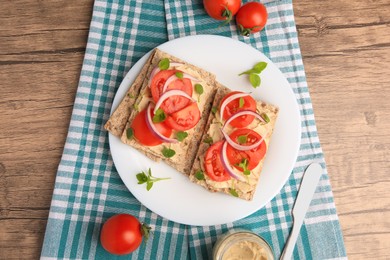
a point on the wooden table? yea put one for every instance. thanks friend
(346, 53)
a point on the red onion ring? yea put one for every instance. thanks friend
(234, 144)
(157, 70)
(226, 164)
(153, 128)
(230, 99)
(174, 77)
(170, 93)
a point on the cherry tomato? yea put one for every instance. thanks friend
(184, 119)
(173, 103)
(222, 9)
(253, 156)
(122, 234)
(213, 164)
(251, 18)
(142, 132)
(234, 107)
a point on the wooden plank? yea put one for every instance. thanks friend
(346, 51)
(41, 51)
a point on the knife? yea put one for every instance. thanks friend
(305, 194)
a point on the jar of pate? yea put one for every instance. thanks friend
(241, 244)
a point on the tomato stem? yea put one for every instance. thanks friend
(146, 231)
(246, 31)
(228, 14)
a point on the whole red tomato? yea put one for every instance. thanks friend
(251, 18)
(222, 9)
(122, 234)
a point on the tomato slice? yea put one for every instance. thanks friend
(174, 103)
(234, 107)
(253, 156)
(213, 164)
(144, 135)
(184, 119)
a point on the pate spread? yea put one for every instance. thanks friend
(245, 250)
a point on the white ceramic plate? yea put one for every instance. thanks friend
(182, 201)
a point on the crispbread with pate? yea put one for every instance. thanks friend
(117, 122)
(185, 150)
(243, 189)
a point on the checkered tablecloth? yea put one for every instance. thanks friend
(88, 190)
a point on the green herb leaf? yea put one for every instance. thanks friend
(130, 95)
(265, 117)
(149, 185)
(199, 89)
(129, 133)
(208, 140)
(179, 74)
(142, 178)
(214, 110)
(244, 165)
(199, 175)
(255, 80)
(181, 135)
(135, 106)
(241, 102)
(259, 67)
(159, 116)
(168, 152)
(164, 64)
(242, 139)
(233, 192)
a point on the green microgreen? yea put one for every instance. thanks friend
(181, 135)
(265, 117)
(208, 140)
(199, 175)
(179, 74)
(199, 89)
(253, 73)
(168, 152)
(164, 64)
(159, 116)
(129, 133)
(233, 192)
(242, 139)
(147, 178)
(241, 102)
(214, 110)
(244, 166)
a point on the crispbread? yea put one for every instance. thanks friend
(247, 191)
(186, 150)
(117, 122)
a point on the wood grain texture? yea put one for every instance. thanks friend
(346, 52)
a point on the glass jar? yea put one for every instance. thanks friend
(242, 244)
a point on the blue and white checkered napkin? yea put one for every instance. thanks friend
(88, 189)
